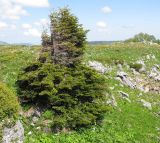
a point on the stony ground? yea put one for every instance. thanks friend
(132, 72)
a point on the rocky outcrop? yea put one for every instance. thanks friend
(125, 79)
(125, 96)
(98, 66)
(14, 134)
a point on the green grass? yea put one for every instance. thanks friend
(127, 123)
(119, 52)
(14, 58)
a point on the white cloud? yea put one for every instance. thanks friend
(10, 10)
(33, 32)
(3, 25)
(106, 9)
(42, 22)
(128, 26)
(33, 3)
(14, 9)
(26, 26)
(13, 27)
(102, 26)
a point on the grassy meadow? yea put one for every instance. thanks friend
(129, 122)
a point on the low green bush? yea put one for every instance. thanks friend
(8, 103)
(75, 95)
(136, 66)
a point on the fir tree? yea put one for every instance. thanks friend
(73, 92)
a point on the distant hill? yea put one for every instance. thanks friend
(3, 43)
(23, 44)
(101, 42)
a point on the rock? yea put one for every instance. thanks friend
(148, 57)
(37, 113)
(155, 74)
(122, 74)
(146, 104)
(120, 67)
(98, 66)
(29, 113)
(29, 133)
(13, 134)
(158, 113)
(112, 101)
(157, 66)
(127, 99)
(153, 57)
(140, 94)
(124, 94)
(146, 89)
(140, 62)
(38, 128)
(46, 122)
(152, 75)
(135, 72)
(32, 124)
(143, 69)
(157, 78)
(118, 78)
(32, 112)
(125, 80)
(111, 88)
(35, 119)
(158, 129)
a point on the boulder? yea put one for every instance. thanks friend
(98, 66)
(146, 104)
(125, 80)
(13, 134)
(143, 68)
(124, 94)
(32, 112)
(35, 119)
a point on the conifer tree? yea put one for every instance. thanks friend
(59, 81)
(67, 37)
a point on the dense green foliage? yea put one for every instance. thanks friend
(143, 37)
(76, 95)
(8, 103)
(68, 37)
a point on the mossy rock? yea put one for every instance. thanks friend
(8, 103)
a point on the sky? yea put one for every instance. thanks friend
(22, 21)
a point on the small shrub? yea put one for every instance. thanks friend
(136, 66)
(8, 103)
(8, 108)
